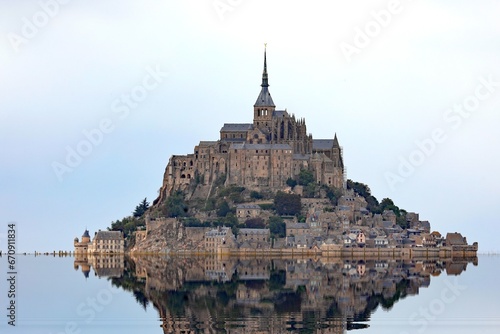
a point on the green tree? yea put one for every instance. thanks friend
(141, 208)
(230, 220)
(287, 204)
(305, 177)
(291, 182)
(175, 205)
(401, 221)
(360, 188)
(388, 204)
(333, 194)
(277, 227)
(364, 191)
(255, 223)
(256, 195)
(310, 190)
(223, 209)
(127, 225)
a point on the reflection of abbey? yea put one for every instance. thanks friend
(276, 295)
(262, 154)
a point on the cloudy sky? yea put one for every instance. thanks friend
(96, 95)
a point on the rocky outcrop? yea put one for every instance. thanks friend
(164, 235)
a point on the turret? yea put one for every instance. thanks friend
(86, 237)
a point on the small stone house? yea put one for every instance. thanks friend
(248, 210)
(107, 242)
(219, 237)
(253, 235)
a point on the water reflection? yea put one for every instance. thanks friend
(214, 295)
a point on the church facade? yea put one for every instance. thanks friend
(261, 154)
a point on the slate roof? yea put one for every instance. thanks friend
(247, 206)
(254, 230)
(206, 143)
(264, 99)
(279, 113)
(322, 144)
(455, 239)
(236, 127)
(301, 157)
(108, 235)
(86, 234)
(223, 231)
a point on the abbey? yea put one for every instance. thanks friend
(263, 154)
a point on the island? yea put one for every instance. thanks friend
(268, 188)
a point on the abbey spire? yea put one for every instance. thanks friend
(264, 99)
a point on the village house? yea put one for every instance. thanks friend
(107, 242)
(361, 239)
(295, 229)
(381, 241)
(428, 240)
(389, 215)
(254, 238)
(104, 242)
(221, 236)
(455, 239)
(248, 210)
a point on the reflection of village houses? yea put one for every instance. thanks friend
(330, 294)
(103, 265)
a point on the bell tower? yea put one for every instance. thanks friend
(264, 106)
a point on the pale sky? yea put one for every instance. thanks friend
(412, 89)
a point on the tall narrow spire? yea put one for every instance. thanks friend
(265, 82)
(264, 99)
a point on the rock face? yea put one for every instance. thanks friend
(163, 235)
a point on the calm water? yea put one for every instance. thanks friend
(207, 295)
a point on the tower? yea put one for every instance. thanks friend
(86, 237)
(264, 106)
